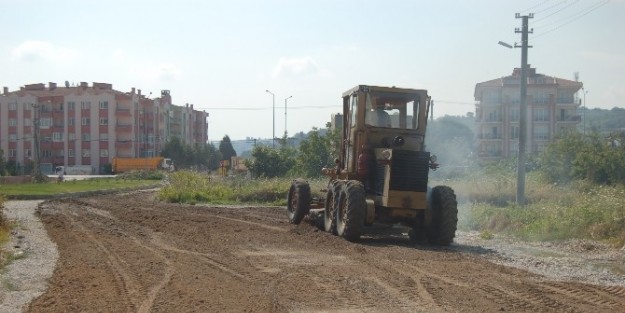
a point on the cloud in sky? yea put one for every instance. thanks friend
(34, 51)
(293, 67)
(165, 72)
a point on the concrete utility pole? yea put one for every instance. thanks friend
(273, 134)
(285, 133)
(520, 191)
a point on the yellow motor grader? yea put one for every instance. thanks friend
(381, 174)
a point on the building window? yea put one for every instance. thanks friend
(28, 122)
(12, 122)
(104, 136)
(514, 148)
(514, 114)
(514, 132)
(70, 153)
(27, 153)
(71, 106)
(541, 98)
(86, 137)
(12, 137)
(46, 153)
(45, 122)
(541, 132)
(86, 153)
(104, 105)
(493, 116)
(57, 136)
(71, 136)
(104, 121)
(565, 96)
(71, 121)
(85, 105)
(492, 97)
(85, 121)
(104, 152)
(541, 115)
(12, 153)
(12, 106)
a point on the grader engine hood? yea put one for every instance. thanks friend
(401, 177)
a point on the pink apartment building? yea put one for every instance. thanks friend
(89, 125)
(552, 108)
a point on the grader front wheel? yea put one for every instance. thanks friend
(298, 201)
(444, 210)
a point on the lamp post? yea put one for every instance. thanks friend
(273, 134)
(584, 92)
(285, 133)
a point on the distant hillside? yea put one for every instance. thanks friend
(602, 120)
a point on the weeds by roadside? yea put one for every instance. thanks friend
(194, 187)
(579, 209)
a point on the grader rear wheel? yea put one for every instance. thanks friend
(329, 212)
(444, 210)
(298, 201)
(350, 210)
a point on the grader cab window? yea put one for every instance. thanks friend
(391, 112)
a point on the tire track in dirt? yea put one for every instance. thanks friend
(128, 278)
(611, 297)
(125, 286)
(204, 257)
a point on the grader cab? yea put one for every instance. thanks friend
(381, 175)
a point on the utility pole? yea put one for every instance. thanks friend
(520, 191)
(285, 133)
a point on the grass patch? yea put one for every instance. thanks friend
(193, 187)
(53, 188)
(579, 210)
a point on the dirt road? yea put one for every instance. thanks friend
(129, 253)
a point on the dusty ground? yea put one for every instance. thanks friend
(128, 253)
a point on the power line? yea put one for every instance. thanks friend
(574, 18)
(556, 12)
(535, 6)
(550, 7)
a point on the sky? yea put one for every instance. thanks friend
(222, 56)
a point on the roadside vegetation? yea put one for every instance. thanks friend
(195, 187)
(576, 189)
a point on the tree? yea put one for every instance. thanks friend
(315, 153)
(226, 149)
(201, 155)
(2, 164)
(269, 162)
(595, 157)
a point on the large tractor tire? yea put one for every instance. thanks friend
(329, 212)
(350, 210)
(444, 212)
(298, 201)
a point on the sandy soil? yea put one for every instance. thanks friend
(129, 253)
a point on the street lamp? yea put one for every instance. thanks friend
(273, 134)
(584, 92)
(285, 133)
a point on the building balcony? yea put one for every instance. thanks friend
(123, 144)
(123, 126)
(570, 118)
(122, 112)
(489, 136)
(490, 154)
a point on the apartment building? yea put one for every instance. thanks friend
(552, 109)
(89, 125)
